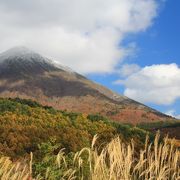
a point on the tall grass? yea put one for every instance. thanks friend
(116, 161)
(13, 171)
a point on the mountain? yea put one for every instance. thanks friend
(28, 75)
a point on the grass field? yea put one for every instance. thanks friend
(116, 161)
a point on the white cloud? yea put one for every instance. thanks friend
(172, 113)
(159, 84)
(83, 34)
(128, 69)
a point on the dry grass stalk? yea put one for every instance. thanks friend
(117, 161)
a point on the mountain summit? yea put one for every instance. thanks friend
(26, 74)
(21, 61)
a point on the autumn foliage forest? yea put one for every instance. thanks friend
(25, 124)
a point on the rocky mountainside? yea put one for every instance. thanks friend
(26, 74)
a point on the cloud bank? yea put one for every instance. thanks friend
(172, 113)
(85, 35)
(158, 84)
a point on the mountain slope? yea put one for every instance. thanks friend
(26, 74)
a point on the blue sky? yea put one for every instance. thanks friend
(160, 44)
(130, 46)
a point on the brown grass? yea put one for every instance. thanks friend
(117, 161)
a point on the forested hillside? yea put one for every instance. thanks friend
(25, 124)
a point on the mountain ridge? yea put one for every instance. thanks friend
(26, 74)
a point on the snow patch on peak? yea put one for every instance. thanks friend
(17, 51)
(65, 68)
(23, 55)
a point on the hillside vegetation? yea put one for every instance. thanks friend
(171, 128)
(25, 124)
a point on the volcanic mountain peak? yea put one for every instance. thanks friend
(22, 54)
(18, 50)
(26, 74)
(25, 57)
